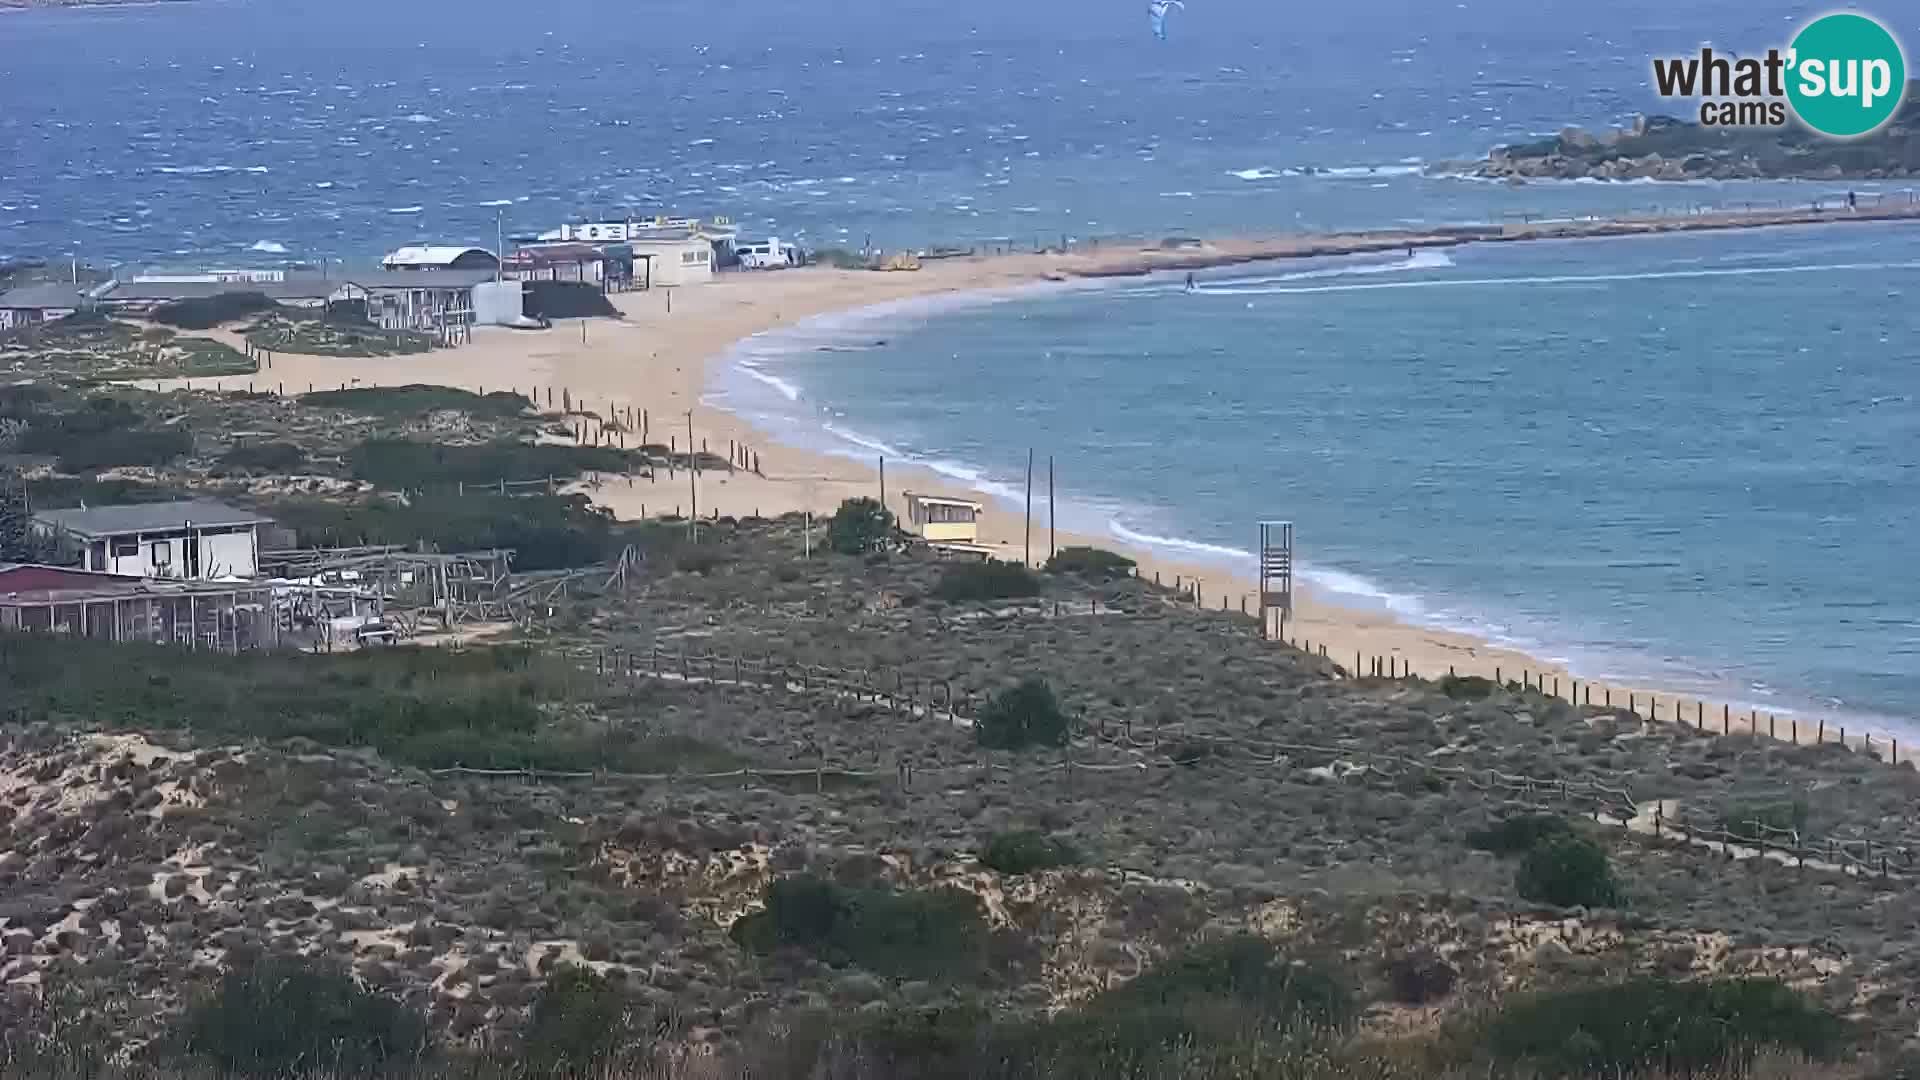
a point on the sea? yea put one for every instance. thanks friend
(1690, 461)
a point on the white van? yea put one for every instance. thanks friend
(765, 255)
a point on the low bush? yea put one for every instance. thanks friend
(282, 1014)
(265, 457)
(418, 400)
(932, 934)
(1022, 716)
(151, 447)
(1467, 687)
(983, 582)
(545, 532)
(1649, 1025)
(415, 465)
(432, 708)
(1420, 977)
(1567, 871)
(579, 1020)
(207, 312)
(1025, 851)
(859, 526)
(1094, 564)
(1516, 835)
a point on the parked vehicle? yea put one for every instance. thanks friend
(767, 255)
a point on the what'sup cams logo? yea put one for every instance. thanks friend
(1844, 76)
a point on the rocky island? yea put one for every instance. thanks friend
(1667, 148)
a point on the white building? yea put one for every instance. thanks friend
(195, 540)
(677, 256)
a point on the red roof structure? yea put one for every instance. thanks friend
(17, 578)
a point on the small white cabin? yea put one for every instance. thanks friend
(940, 520)
(195, 540)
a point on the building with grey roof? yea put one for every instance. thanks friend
(195, 539)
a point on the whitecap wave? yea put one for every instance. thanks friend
(405, 209)
(1174, 543)
(268, 247)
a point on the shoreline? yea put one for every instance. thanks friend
(666, 364)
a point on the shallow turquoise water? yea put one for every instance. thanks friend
(1691, 460)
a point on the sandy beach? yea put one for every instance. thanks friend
(660, 361)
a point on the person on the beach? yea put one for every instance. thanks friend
(1190, 287)
(1852, 201)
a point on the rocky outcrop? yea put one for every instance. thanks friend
(1666, 148)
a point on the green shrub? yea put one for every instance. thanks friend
(1467, 687)
(939, 933)
(116, 449)
(545, 532)
(981, 582)
(265, 457)
(1649, 1025)
(416, 400)
(1022, 716)
(1025, 851)
(579, 1019)
(414, 465)
(859, 526)
(1518, 834)
(279, 1014)
(1567, 871)
(207, 312)
(1094, 564)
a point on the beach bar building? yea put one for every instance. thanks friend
(228, 617)
(194, 540)
(948, 524)
(30, 305)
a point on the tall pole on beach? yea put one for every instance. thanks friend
(1029, 506)
(1050, 514)
(883, 481)
(693, 485)
(500, 242)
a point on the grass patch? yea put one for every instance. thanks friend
(314, 337)
(207, 312)
(1518, 834)
(282, 1014)
(935, 934)
(963, 583)
(413, 465)
(1765, 821)
(1025, 851)
(1650, 1024)
(545, 532)
(419, 400)
(1021, 716)
(264, 457)
(578, 1021)
(484, 708)
(1091, 563)
(92, 434)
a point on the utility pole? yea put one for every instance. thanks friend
(500, 242)
(1029, 555)
(883, 481)
(1051, 516)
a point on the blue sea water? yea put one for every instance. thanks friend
(1689, 459)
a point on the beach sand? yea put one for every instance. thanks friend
(660, 361)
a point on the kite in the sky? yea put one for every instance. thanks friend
(1157, 12)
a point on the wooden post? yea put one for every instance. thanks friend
(1029, 523)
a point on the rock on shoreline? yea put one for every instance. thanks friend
(1666, 148)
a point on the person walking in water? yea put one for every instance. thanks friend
(1190, 286)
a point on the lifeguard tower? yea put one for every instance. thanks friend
(951, 525)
